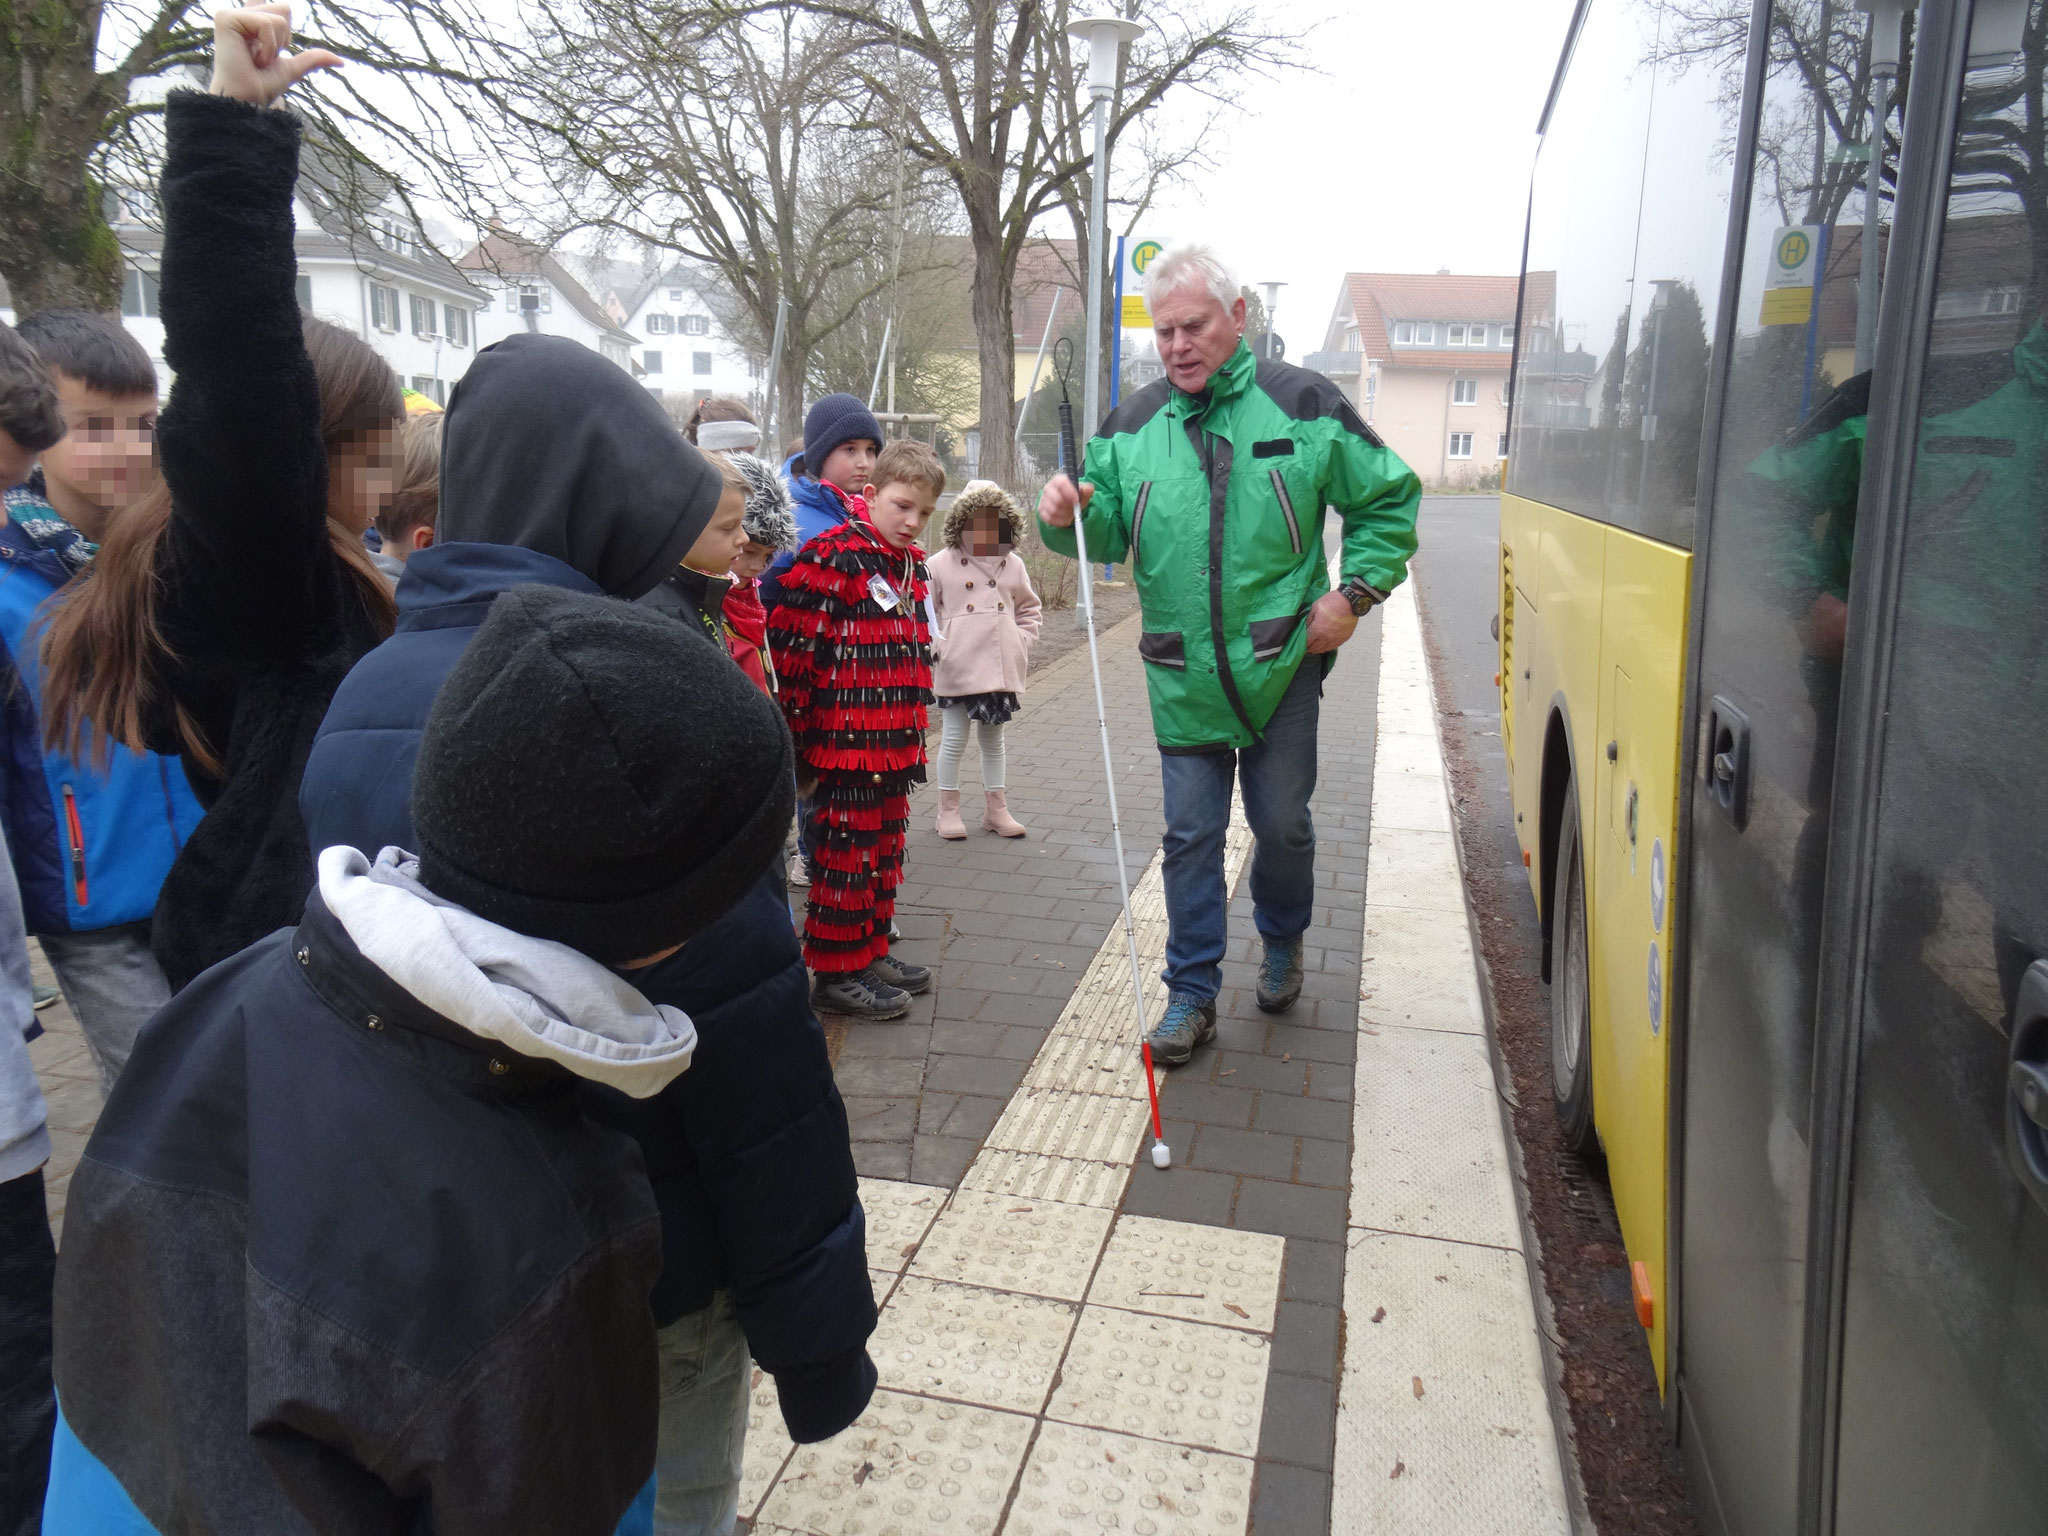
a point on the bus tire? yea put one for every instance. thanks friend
(1571, 998)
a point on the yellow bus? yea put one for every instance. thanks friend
(1774, 697)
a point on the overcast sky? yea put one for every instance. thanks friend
(1409, 151)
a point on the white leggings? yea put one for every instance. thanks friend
(953, 747)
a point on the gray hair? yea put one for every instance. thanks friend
(1190, 263)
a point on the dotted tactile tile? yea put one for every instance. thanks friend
(994, 1348)
(1007, 1242)
(908, 1466)
(1071, 1181)
(1428, 1153)
(884, 1281)
(1418, 972)
(1204, 1274)
(1476, 1450)
(1159, 1377)
(1060, 1123)
(768, 1443)
(898, 1216)
(1405, 868)
(1082, 1482)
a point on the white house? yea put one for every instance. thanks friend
(683, 347)
(379, 278)
(527, 289)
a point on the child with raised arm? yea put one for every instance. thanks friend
(851, 648)
(988, 620)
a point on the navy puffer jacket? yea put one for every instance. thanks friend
(747, 1151)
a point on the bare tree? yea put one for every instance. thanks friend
(988, 98)
(71, 126)
(732, 139)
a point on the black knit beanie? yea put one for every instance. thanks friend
(598, 774)
(834, 420)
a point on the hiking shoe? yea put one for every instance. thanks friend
(1189, 1022)
(1280, 975)
(900, 974)
(44, 997)
(859, 995)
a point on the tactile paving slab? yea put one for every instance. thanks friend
(898, 1216)
(1082, 1482)
(1442, 1420)
(1429, 1156)
(1161, 1378)
(1410, 800)
(1406, 868)
(1061, 1123)
(1071, 1181)
(907, 1467)
(994, 1348)
(1409, 752)
(1015, 1243)
(1417, 972)
(1204, 1274)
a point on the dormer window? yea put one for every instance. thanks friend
(528, 298)
(1404, 333)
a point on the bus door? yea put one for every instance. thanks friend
(1770, 609)
(1942, 1409)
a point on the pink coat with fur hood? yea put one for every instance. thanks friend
(988, 620)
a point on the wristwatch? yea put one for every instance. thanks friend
(1362, 597)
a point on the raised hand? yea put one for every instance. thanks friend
(252, 60)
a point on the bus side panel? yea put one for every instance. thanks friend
(1521, 639)
(1630, 832)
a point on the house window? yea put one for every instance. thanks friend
(1404, 333)
(1456, 336)
(1502, 451)
(696, 325)
(1372, 388)
(305, 288)
(675, 295)
(383, 307)
(1461, 445)
(650, 362)
(1425, 333)
(138, 293)
(1464, 391)
(700, 362)
(529, 298)
(455, 324)
(432, 388)
(422, 315)
(661, 325)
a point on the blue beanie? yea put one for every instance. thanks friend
(834, 420)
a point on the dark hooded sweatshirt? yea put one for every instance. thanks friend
(546, 477)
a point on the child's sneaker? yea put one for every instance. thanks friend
(901, 973)
(859, 995)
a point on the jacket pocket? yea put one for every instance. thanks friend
(74, 847)
(1286, 510)
(1164, 649)
(1270, 636)
(1138, 520)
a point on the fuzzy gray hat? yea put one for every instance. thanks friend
(770, 518)
(984, 496)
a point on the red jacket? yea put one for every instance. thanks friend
(746, 626)
(853, 657)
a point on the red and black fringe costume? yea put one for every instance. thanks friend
(856, 677)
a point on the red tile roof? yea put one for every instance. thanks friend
(1377, 299)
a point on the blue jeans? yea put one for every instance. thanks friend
(705, 1374)
(1279, 775)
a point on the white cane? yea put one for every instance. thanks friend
(1070, 462)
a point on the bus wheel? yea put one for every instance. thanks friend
(1571, 1010)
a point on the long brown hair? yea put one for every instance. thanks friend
(102, 651)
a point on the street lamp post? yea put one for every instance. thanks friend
(1105, 35)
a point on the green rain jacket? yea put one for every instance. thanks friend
(1215, 501)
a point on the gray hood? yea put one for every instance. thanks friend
(530, 995)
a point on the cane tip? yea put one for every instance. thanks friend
(1162, 1157)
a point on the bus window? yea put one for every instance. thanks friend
(1626, 229)
(1944, 1386)
(1788, 467)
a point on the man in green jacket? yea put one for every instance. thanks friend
(1211, 485)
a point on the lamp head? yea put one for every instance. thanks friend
(1105, 35)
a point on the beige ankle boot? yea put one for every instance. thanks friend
(950, 824)
(997, 817)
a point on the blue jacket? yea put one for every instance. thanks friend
(91, 849)
(819, 509)
(748, 1151)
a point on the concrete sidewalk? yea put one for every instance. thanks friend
(1073, 1340)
